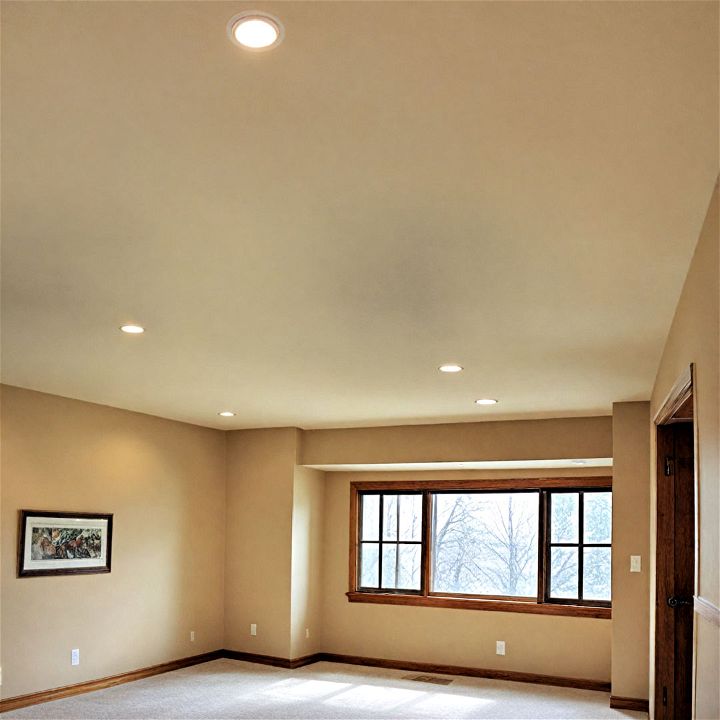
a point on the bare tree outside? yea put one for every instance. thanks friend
(391, 541)
(485, 543)
(564, 561)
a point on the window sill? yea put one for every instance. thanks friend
(477, 604)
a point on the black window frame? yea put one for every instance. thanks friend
(548, 544)
(543, 603)
(380, 542)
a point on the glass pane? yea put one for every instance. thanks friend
(565, 517)
(409, 567)
(370, 517)
(410, 517)
(389, 565)
(598, 517)
(485, 543)
(390, 517)
(596, 574)
(369, 565)
(563, 572)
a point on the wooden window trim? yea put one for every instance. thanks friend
(426, 598)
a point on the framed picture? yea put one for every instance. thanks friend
(61, 543)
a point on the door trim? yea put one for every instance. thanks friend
(676, 398)
(683, 389)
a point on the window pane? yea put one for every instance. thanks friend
(389, 565)
(410, 517)
(596, 574)
(565, 517)
(390, 517)
(485, 543)
(563, 572)
(409, 567)
(369, 565)
(598, 517)
(370, 517)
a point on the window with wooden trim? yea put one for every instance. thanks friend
(525, 546)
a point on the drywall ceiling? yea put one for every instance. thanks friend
(308, 233)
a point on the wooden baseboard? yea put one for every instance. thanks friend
(290, 664)
(469, 671)
(270, 659)
(19, 701)
(625, 703)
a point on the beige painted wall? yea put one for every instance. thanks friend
(574, 647)
(260, 476)
(307, 555)
(631, 532)
(693, 338)
(164, 482)
(509, 440)
(283, 530)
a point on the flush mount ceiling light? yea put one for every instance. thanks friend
(133, 329)
(256, 30)
(486, 401)
(579, 462)
(450, 368)
(226, 413)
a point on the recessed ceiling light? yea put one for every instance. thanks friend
(450, 368)
(226, 413)
(132, 329)
(256, 30)
(486, 401)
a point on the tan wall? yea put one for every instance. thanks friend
(693, 338)
(307, 551)
(510, 440)
(164, 482)
(574, 647)
(631, 531)
(260, 475)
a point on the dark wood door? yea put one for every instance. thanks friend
(675, 572)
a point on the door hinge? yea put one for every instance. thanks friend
(669, 466)
(664, 695)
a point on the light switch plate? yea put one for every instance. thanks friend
(500, 647)
(253, 629)
(635, 563)
(75, 657)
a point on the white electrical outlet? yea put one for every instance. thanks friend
(635, 563)
(307, 632)
(75, 657)
(500, 647)
(192, 636)
(253, 629)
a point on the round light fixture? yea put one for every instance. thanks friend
(226, 413)
(486, 401)
(450, 368)
(256, 30)
(132, 329)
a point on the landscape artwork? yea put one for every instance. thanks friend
(61, 543)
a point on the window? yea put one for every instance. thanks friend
(525, 546)
(579, 547)
(391, 541)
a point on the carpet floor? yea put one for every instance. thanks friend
(228, 689)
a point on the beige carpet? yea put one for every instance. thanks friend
(234, 689)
